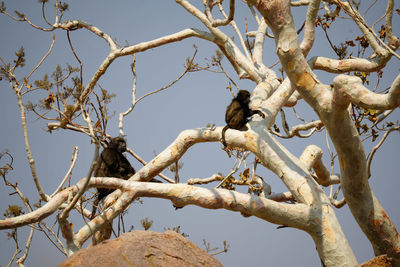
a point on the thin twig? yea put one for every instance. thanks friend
(373, 151)
(44, 57)
(144, 163)
(122, 115)
(77, 58)
(172, 83)
(82, 190)
(73, 161)
(213, 178)
(235, 169)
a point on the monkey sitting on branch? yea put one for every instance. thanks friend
(238, 113)
(112, 163)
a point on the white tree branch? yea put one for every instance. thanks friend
(308, 39)
(37, 215)
(228, 19)
(312, 158)
(332, 110)
(228, 47)
(353, 88)
(181, 195)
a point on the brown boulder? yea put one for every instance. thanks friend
(379, 261)
(143, 248)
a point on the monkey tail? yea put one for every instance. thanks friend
(223, 135)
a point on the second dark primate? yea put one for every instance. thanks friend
(112, 163)
(238, 112)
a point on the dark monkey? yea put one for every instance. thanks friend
(238, 112)
(112, 163)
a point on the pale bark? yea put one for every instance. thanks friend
(310, 209)
(312, 215)
(332, 110)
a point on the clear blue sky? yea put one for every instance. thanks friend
(199, 98)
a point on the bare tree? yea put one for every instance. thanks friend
(349, 109)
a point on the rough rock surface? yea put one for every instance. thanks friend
(143, 248)
(379, 261)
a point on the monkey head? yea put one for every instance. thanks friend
(243, 96)
(118, 143)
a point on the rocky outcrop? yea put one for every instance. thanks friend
(379, 261)
(143, 248)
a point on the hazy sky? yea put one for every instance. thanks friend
(199, 98)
